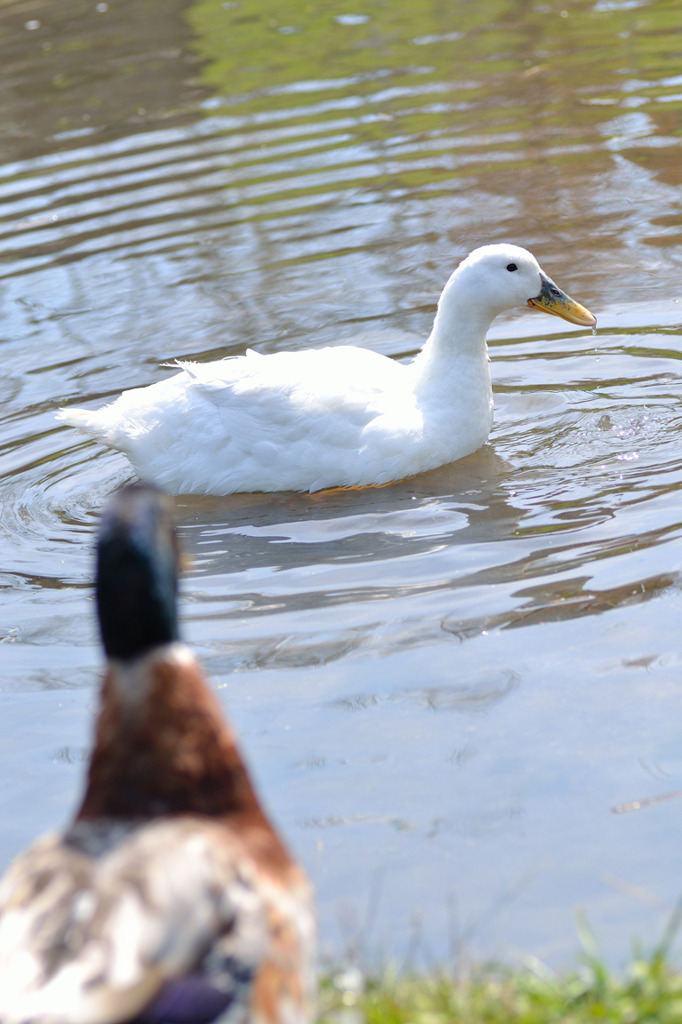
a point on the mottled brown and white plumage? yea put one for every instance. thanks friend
(170, 899)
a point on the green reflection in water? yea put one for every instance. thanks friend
(553, 56)
(428, 95)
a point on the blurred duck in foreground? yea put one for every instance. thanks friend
(170, 899)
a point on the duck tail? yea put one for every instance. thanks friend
(87, 420)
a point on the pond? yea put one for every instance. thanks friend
(461, 694)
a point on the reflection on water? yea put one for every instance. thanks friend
(446, 684)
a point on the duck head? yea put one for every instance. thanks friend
(137, 573)
(505, 276)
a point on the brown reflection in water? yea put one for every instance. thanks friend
(79, 67)
(564, 600)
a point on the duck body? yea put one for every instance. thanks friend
(299, 421)
(170, 899)
(338, 416)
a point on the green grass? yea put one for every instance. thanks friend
(649, 990)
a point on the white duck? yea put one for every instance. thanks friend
(331, 417)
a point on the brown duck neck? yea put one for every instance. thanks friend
(162, 746)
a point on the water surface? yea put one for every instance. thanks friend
(444, 686)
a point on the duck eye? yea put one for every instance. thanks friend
(512, 266)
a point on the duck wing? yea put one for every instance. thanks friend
(300, 417)
(330, 381)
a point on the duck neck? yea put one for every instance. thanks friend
(456, 347)
(162, 745)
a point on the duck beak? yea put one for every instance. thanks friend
(552, 300)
